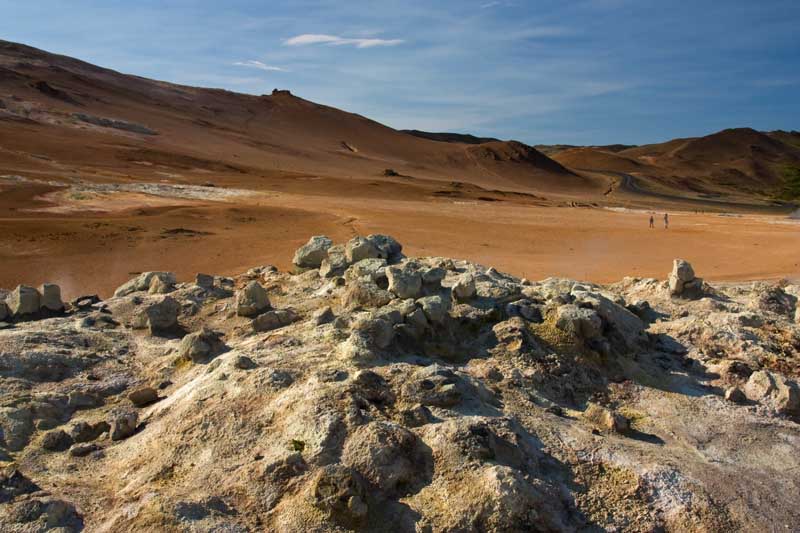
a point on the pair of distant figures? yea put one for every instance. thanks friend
(653, 221)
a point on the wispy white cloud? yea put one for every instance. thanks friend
(335, 40)
(498, 3)
(771, 83)
(251, 63)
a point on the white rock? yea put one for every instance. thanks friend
(252, 300)
(311, 254)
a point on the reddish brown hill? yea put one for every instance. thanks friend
(739, 159)
(79, 115)
(599, 160)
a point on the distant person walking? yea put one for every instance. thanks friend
(652, 222)
(666, 221)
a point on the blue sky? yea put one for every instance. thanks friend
(544, 71)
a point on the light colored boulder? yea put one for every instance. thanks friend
(311, 254)
(252, 300)
(158, 285)
(335, 263)
(433, 276)
(160, 316)
(464, 288)
(387, 246)
(359, 248)
(404, 281)
(435, 308)
(51, 298)
(200, 345)
(682, 270)
(142, 282)
(24, 301)
(373, 268)
(682, 281)
(619, 324)
(773, 390)
(583, 323)
(364, 294)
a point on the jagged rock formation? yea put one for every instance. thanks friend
(373, 392)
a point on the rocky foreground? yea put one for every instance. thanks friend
(368, 391)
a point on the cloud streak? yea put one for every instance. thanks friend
(308, 39)
(251, 63)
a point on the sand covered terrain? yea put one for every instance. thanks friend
(94, 238)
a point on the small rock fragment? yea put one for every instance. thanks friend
(605, 419)
(735, 395)
(323, 316)
(242, 362)
(124, 424)
(200, 345)
(204, 281)
(160, 285)
(85, 432)
(464, 289)
(341, 493)
(83, 449)
(83, 400)
(252, 300)
(56, 440)
(274, 320)
(143, 396)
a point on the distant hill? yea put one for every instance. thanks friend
(740, 159)
(78, 115)
(591, 158)
(60, 116)
(552, 149)
(464, 138)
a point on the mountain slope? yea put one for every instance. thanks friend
(741, 159)
(82, 115)
(464, 138)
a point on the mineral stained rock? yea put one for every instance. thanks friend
(367, 391)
